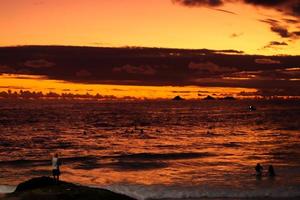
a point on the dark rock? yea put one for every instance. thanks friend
(178, 98)
(35, 183)
(47, 189)
(209, 98)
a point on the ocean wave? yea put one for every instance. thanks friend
(46, 162)
(142, 192)
(134, 166)
(166, 156)
(22, 162)
(7, 188)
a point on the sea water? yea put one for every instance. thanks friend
(155, 149)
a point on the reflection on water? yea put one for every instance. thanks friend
(176, 144)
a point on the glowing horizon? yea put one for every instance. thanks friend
(42, 84)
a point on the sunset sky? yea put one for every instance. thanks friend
(245, 27)
(249, 26)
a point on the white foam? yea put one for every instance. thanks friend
(143, 192)
(7, 188)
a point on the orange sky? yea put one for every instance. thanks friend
(41, 83)
(155, 23)
(259, 29)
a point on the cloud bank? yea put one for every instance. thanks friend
(290, 7)
(155, 66)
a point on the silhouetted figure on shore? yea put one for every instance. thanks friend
(56, 167)
(271, 171)
(258, 169)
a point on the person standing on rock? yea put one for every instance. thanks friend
(56, 167)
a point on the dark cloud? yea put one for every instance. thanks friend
(280, 27)
(269, 21)
(282, 31)
(266, 61)
(275, 44)
(297, 33)
(155, 66)
(6, 69)
(130, 69)
(199, 2)
(225, 11)
(271, 92)
(235, 35)
(266, 2)
(289, 7)
(296, 8)
(230, 51)
(83, 73)
(209, 69)
(40, 63)
(291, 21)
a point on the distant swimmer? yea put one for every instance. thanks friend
(56, 167)
(252, 108)
(271, 171)
(258, 170)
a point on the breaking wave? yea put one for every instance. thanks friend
(143, 192)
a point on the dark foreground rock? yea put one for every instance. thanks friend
(46, 188)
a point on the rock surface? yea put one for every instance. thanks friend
(46, 188)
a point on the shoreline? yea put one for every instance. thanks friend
(46, 188)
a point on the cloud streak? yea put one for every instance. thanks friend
(38, 63)
(290, 7)
(130, 69)
(199, 2)
(266, 61)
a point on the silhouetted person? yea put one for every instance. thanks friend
(258, 169)
(55, 167)
(271, 171)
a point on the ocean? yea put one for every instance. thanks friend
(155, 149)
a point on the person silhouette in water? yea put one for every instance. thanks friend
(258, 169)
(56, 167)
(271, 171)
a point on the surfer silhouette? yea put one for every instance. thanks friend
(258, 169)
(271, 171)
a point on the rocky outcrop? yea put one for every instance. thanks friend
(46, 188)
